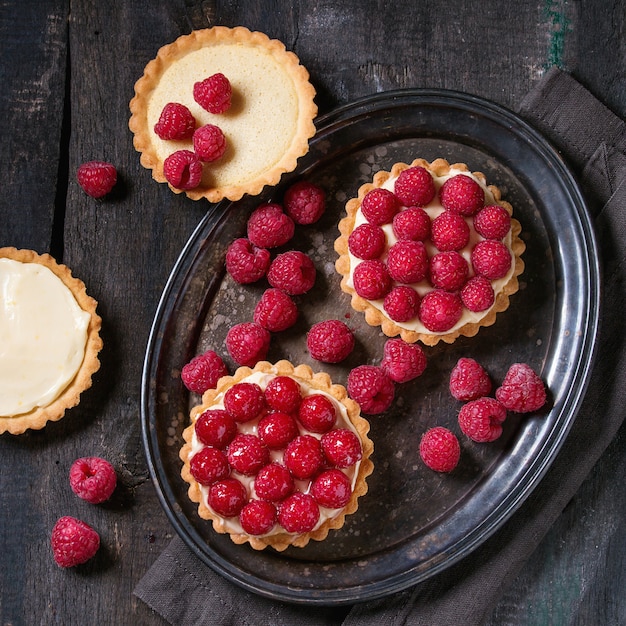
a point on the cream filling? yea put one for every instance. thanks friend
(43, 333)
(262, 379)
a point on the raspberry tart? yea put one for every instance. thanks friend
(276, 455)
(429, 251)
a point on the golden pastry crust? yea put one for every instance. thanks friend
(37, 418)
(285, 83)
(373, 315)
(319, 381)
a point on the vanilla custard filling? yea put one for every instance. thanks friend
(262, 379)
(43, 333)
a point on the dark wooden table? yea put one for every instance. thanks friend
(67, 71)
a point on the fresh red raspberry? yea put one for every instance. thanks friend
(244, 401)
(448, 270)
(283, 393)
(269, 227)
(258, 517)
(298, 513)
(227, 497)
(402, 361)
(440, 310)
(402, 303)
(182, 169)
(415, 187)
(440, 449)
(367, 241)
(379, 206)
(481, 420)
(274, 482)
(96, 178)
(209, 465)
(275, 311)
(216, 428)
(371, 388)
(330, 341)
(213, 93)
(247, 454)
(203, 372)
(93, 479)
(292, 272)
(247, 343)
(209, 143)
(491, 259)
(245, 262)
(303, 456)
(462, 194)
(522, 390)
(73, 542)
(469, 380)
(305, 202)
(176, 122)
(449, 231)
(412, 223)
(477, 294)
(492, 222)
(371, 279)
(317, 413)
(341, 447)
(407, 261)
(277, 429)
(332, 489)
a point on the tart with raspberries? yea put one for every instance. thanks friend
(276, 455)
(429, 251)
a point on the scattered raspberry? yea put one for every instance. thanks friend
(73, 542)
(227, 497)
(379, 206)
(440, 310)
(462, 194)
(247, 454)
(216, 428)
(415, 187)
(522, 390)
(448, 270)
(332, 489)
(298, 513)
(247, 343)
(258, 517)
(491, 259)
(277, 429)
(477, 294)
(209, 465)
(341, 447)
(367, 241)
(412, 223)
(402, 303)
(182, 169)
(440, 449)
(371, 388)
(96, 178)
(303, 456)
(402, 361)
(274, 482)
(275, 311)
(292, 272)
(282, 393)
(305, 202)
(176, 122)
(469, 380)
(245, 262)
(330, 341)
(244, 401)
(407, 261)
(492, 222)
(203, 372)
(481, 420)
(269, 227)
(449, 231)
(371, 279)
(213, 93)
(317, 413)
(93, 479)
(209, 143)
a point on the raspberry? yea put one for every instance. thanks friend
(73, 542)
(367, 241)
(303, 456)
(449, 231)
(305, 202)
(277, 429)
(412, 223)
(462, 194)
(93, 479)
(203, 372)
(282, 393)
(491, 259)
(317, 413)
(269, 227)
(247, 454)
(275, 311)
(209, 143)
(227, 497)
(244, 401)
(402, 361)
(448, 270)
(258, 517)
(213, 93)
(440, 449)
(481, 420)
(402, 303)
(96, 178)
(371, 388)
(292, 272)
(415, 187)
(176, 122)
(371, 279)
(332, 489)
(492, 222)
(247, 343)
(330, 341)
(469, 380)
(274, 482)
(245, 262)
(407, 261)
(299, 513)
(341, 447)
(379, 206)
(216, 428)
(477, 294)
(182, 169)
(209, 465)
(440, 310)
(522, 390)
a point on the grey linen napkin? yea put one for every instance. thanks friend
(593, 140)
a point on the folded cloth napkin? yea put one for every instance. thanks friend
(593, 140)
